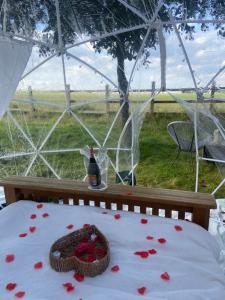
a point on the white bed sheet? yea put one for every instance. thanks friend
(189, 256)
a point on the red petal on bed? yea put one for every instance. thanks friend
(78, 277)
(115, 268)
(69, 287)
(45, 215)
(86, 225)
(178, 228)
(165, 276)
(142, 254)
(152, 251)
(20, 294)
(144, 221)
(9, 258)
(22, 235)
(33, 216)
(142, 290)
(149, 237)
(32, 229)
(70, 226)
(39, 206)
(162, 241)
(128, 194)
(11, 286)
(38, 265)
(117, 216)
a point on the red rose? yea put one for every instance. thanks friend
(117, 216)
(142, 290)
(9, 258)
(78, 277)
(165, 276)
(38, 265)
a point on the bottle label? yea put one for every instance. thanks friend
(93, 180)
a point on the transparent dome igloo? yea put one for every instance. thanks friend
(88, 72)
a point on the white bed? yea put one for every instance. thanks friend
(189, 256)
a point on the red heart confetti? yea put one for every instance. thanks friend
(165, 276)
(115, 268)
(11, 286)
(38, 265)
(70, 226)
(142, 290)
(144, 221)
(149, 237)
(22, 235)
(117, 216)
(152, 251)
(9, 258)
(78, 277)
(39, 206)
(86, 225)
(69, 287)
(45, 215)
(128, 194)
(178, 228)
(20, 294)
(33, 216)
(162, 241)
(32, 229)
(142, 254)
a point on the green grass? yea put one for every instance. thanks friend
(156, 168)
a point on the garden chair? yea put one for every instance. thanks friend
(182, 133)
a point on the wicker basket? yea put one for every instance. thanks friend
(68, 261)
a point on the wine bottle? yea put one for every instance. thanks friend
(94, 174)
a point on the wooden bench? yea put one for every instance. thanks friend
(116, 196)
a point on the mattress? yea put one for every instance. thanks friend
(182, 260)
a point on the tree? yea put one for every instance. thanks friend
(93, 17)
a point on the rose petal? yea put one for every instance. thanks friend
(142, 290)
(69, 287)
(128, 194)
(178, 228)
(11, 286)
(20, 294)
(115, 268)
(39, 206)
(149, 237)
(33, 216)
(38, 265)
(152, 251)
(32, 229)
(117, 216)
(9, 258)
(22, 235)
(78, 277)
(70, 226)
(144, 221)
(165, 276)
(142, 254)
(162, 241)
(86, 225)
(45, 215)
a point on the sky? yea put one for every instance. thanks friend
(206, 53)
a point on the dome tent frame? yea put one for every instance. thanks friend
(154, 22)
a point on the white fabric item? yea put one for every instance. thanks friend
(14, 55)
(189, 256)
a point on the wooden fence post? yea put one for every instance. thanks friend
(153, 100)
(68, 97)
(212, 94)
(107, 94)
(30, 97)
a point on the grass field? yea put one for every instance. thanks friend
(157, 150)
